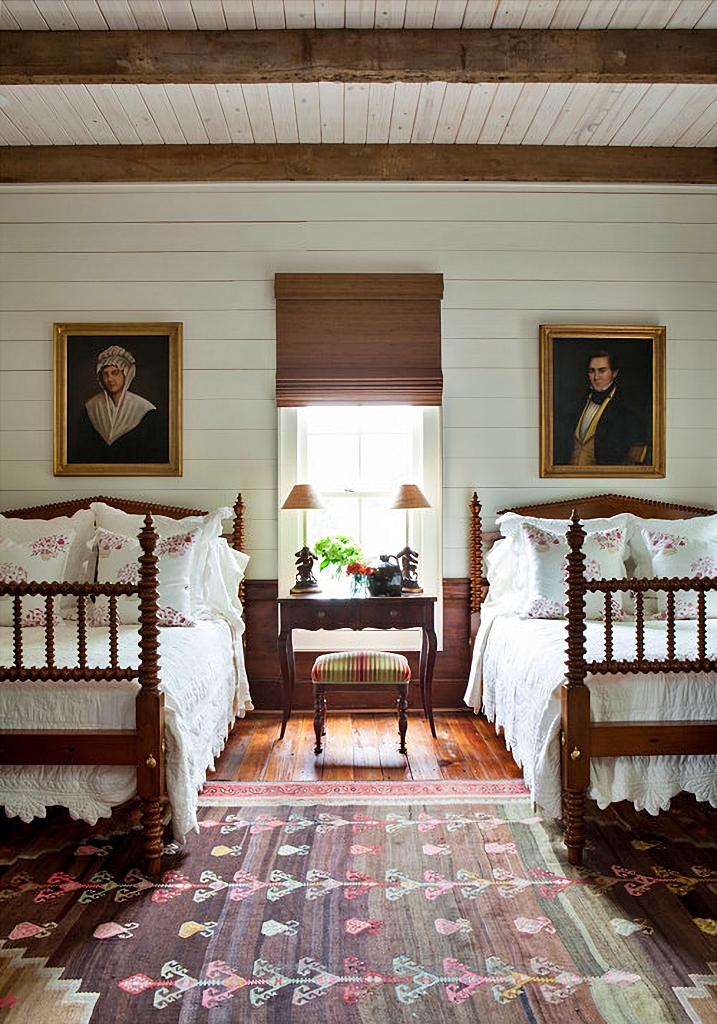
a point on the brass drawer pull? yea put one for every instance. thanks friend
(393, 613)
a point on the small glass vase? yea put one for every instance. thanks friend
(359, 586)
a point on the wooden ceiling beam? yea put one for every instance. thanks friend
(217, 163)
(344, 55)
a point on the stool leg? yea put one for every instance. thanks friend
(402, 720)
(319, 716)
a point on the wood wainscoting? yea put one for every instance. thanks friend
(262, 660)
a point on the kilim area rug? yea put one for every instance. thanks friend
(359, 903)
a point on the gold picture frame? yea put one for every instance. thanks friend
(102, 425)
(622, 433)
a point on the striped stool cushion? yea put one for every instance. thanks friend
(361, 667)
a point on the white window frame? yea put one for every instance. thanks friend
(425, 533)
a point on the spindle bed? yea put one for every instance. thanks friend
(49, 655)
(568, 684)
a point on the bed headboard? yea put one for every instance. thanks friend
(591, 507)
(602, 505)
(71, 505)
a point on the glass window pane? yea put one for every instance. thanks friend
(356, 457)
(384, 529)
(341, 515)
(333, 461)
(386, 461)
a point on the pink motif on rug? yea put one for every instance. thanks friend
(443, 790)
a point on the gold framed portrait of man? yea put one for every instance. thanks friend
(602, 401)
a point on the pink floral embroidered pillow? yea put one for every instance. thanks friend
(207, 528)
(80, 565)
(679, 556)
(546, 554)
(118, 562)
(41, 560)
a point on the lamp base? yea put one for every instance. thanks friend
(408, 560)
(305, 587)
(305, 579)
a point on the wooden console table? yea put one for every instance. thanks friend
(313, 611)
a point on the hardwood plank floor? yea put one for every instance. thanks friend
(362, 745)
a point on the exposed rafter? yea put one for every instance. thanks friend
(501, 58)
(355, 163)
(357, 56)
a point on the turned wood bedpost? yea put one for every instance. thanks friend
(475, 564)
(150, 705)
(239, 534)
(575, 701)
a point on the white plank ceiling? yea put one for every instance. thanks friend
(530, 113)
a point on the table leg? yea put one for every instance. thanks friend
(429, 645)
(286, 661)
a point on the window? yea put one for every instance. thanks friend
(356, 457)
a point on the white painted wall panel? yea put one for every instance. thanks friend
(283, 205)
(512, 257)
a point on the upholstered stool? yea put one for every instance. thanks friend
(356, 670)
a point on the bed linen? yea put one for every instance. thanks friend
(203, 678)
(518, 670)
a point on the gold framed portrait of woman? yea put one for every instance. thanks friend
(118, 399)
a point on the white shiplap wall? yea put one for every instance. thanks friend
(512, 257)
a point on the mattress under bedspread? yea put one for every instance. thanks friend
(516, 677)
(204, 684)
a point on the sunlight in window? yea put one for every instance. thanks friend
(357, 457)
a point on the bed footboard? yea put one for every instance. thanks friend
(583, 739)
(142, 747)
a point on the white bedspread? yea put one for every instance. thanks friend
(517, 671)
(205, 688)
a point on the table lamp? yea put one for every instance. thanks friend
(409, 496)
(303, 496)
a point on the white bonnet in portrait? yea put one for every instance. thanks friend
(117, 356)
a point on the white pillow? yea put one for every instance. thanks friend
(80, 565)
(41, 560)
(676, 555)
(695, 528)
(223, 573)
(118, 562)
(499, 568)
(207, 528)
(545, 555)
(508, 563)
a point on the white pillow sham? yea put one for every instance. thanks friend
(40, 560)
(80, 563)
(205, 528)
(223, 573)
(693, 529)
(118, 562)
(545, 555)
(512, 568)
(675, 554)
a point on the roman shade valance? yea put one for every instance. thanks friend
(358, 339)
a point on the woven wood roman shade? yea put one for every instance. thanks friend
(358, 339)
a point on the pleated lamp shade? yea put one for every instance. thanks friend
(303, 496)
(410, 496)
